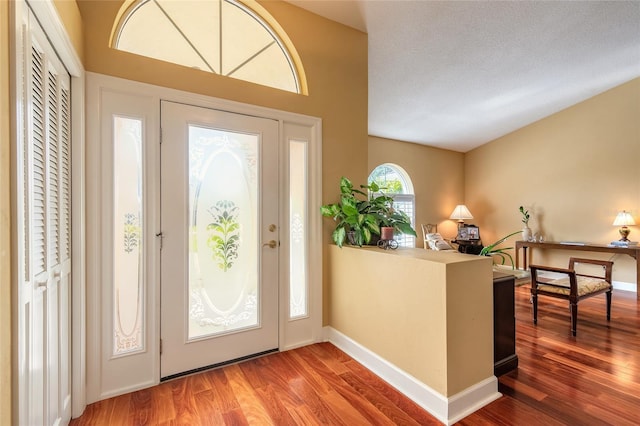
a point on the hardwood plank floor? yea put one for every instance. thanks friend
(591, 379)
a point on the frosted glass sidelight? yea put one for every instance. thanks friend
(127, 236)
(298, 284)
(223, 232)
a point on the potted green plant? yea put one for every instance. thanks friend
(360, 215)
(353, 216)
(491, 249)
(389, 219)
(526, 231)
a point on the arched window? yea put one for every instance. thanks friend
(225, 37)
(397, 184)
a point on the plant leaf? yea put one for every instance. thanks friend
(339, 235)
(345, 186)
(406, 228)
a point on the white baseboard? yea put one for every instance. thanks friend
(447, 410)
(621, 285)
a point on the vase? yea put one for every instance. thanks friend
(386, 233)
(526, 233)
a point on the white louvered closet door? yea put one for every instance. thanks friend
(44, 214)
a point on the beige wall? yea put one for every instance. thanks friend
(437, 176)
(573, 171)
(72, 21)
(5, 221)
(335, 61)
(428, 313)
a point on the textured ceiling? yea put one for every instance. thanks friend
(457, 74)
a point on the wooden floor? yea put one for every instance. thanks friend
(591, 379)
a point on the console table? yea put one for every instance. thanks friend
(602, 248)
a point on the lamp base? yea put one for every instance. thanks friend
(624, 233)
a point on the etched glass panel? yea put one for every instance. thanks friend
(223, 232)
(298, 289)
(127, 236)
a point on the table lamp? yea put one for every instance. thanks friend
(460, 213)
(623, 219)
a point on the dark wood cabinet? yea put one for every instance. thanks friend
(504, 324)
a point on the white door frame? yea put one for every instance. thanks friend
(292, 333)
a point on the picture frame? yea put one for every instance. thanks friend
(468, 233)
(473, 233)
(462, 234)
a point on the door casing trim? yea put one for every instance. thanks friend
(292, 333)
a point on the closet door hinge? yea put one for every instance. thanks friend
(160, 346)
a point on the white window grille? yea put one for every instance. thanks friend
(222, 37)
(405, 203)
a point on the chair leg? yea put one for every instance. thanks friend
(609, 305)
(574, 318)
(534, 301)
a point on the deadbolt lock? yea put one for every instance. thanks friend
(272, 227)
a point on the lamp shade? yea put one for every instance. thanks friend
(623, 219)
(461, 212)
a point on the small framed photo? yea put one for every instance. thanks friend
(473, 233)
(463, 234)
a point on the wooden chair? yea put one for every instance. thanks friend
(572, 286)
(428, 228)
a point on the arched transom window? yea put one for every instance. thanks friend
(223, 37)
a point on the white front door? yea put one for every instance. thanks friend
(219, 220)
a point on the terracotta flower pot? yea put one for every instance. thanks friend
(386, 233)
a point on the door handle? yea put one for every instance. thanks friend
(271, 244)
